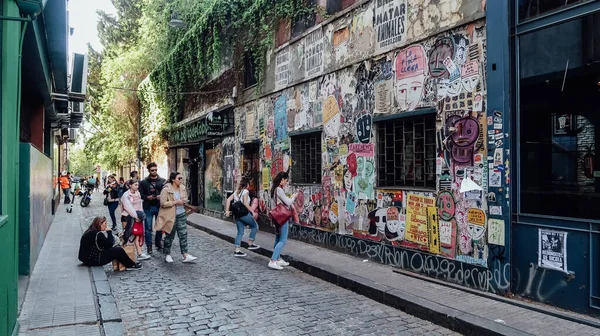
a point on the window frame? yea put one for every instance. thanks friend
(425, 115)
(299, 157)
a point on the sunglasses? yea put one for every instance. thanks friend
(153, 170)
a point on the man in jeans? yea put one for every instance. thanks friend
(150, 189)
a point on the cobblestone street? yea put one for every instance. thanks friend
(225, 295)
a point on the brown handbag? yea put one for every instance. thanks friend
(131, 252)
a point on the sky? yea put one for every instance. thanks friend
(83, 18)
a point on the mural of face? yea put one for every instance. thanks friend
(300, 199)
(442, 49)
(410, 77)
(446, 206)
(470, 75)
(363, 127)
(455, 84)
(352, 165)
(331, 117)
(476, 231)
(333, 213)
(377, 221)
(393, 225)
(466, 132)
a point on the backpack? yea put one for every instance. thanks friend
(238, 208)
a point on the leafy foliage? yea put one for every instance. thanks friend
(80, 163)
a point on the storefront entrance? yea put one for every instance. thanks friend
(250, 165)
(556, 203)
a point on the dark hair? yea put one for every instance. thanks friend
(131, 182)
(243, 183)
(96, 224)
(133, 174)
(121, 179)
(151, 165)
(173, 176)
(277, 181)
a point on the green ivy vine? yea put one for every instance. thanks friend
(214, 29)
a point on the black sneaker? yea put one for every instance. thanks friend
(253, 247)
(149, 248)
(135, 267)
(239, 254)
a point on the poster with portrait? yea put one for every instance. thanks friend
(228, 178)
(552, 250)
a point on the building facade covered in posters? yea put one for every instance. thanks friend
(400, 123)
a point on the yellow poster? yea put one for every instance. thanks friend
(416, 218)
(265, 178)
(433, 226)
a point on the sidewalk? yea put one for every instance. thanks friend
(462, 310)
(61, 298)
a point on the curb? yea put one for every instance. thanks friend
(109, 316)
(456, 320)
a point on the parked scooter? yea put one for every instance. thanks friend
(87, 196)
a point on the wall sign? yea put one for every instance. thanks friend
(213, 125)
(313, 53)
(282, 68)
(389, 22)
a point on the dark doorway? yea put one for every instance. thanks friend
(250, 165)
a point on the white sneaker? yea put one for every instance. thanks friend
(189, 258)
(275, 265)
(168, 258)
(143, 256)
(282, 262)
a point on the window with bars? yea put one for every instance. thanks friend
(406, 152)
(306, 158)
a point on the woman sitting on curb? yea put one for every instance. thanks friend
(96, 247)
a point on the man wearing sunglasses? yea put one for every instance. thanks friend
(150, 189)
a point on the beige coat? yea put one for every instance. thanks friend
(167, 213)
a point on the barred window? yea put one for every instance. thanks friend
(406, 152)
(306, 158)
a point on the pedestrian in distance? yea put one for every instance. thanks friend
(112, 198)
(150, 188)
(65, 185)
(172, 217)
(96, 247)
(131, 202)
(239, 203)
(281, 232)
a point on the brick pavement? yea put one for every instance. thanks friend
(446, 305)
(60, 299)
(225, 295)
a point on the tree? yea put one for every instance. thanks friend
(80, 163)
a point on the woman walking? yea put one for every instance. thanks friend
(132, 206)
(96, 247)
(281, 232)
(112, 196)
(242, 213)
(172, 217)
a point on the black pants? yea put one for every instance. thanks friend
(115, 253)
(67, 192)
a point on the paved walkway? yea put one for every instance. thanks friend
(451, 307)
(60, 299)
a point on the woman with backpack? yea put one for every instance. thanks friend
(239, 202)
(172, 217)
(132, 209)
(281, 230)
(112, 199)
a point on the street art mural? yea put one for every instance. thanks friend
(445, 74)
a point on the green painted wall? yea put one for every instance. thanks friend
(10, 32)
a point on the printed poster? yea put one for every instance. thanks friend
(265, 178)
(389, 22)
(282, 68)
(416, 218)
(313, 53)
(383, 96)
(250, 124)
(552, 250)
(228, 178)
(496, 232)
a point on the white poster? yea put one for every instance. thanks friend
(383, 96)
(282, 68)
(552, 250)
(313, 53)
(389, 22)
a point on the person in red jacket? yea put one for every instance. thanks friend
(65, 185)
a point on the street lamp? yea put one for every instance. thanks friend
(176, 21)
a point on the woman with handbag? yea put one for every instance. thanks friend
(112, 199)
(96, 247)
(239, 202)
(131, 202)
(172, 217)
(281, 216)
